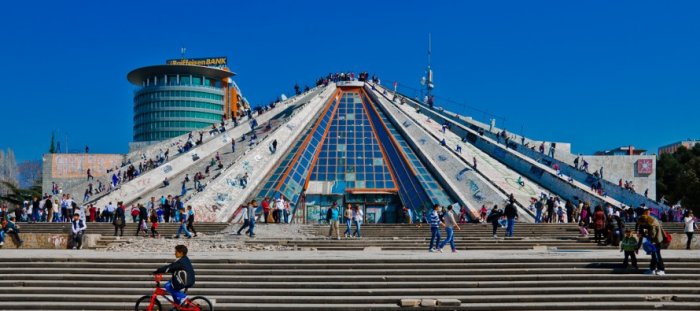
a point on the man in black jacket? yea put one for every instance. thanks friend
(119, 219)
(511, 214)
(143, 216)
(182, 274)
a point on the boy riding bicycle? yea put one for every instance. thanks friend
(182, 274)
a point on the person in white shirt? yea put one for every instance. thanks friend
(357, 217)
(77, 230)
(109, 209)
(690, 226)
(279, 205)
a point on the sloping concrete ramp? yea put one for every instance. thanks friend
(221, 198)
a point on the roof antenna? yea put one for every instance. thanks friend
(182, 52)
(427, 80)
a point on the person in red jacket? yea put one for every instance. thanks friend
(599, 224)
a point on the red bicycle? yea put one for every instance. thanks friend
(151, 303)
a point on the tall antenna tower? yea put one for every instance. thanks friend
(182, 52)
(427, 80)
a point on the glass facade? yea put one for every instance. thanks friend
(170, 105)
(351, 155)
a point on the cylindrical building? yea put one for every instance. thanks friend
(174, 99)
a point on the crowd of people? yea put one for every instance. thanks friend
(346, 77)
(269, 211)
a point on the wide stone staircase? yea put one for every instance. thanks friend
(452, 281)
(470, 237)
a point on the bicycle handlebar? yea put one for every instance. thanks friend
(158, 277)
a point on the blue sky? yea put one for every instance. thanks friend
(599, 74)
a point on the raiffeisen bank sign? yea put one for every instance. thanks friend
(218, 62)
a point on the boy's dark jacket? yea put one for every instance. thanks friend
(182, 273)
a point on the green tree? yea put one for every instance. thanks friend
(16, 195)
(678, 177)
(52, 148)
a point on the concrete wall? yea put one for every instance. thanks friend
(49, 240)
(68, 169)
(679, 241)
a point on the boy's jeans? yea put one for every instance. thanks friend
(510, 223)
(178, 296)
(434, 237)
(183, 229)
(357, 228)
(449, 239)
(252, 227)
(348, 224)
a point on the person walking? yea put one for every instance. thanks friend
(651, 238)
(690, 226)
(435, 223)
(493, 217)
(599, 224)
(348, 220)
(183, 225)
(357, 218)
(629, 246)
(143, 218)
(279, 205)
(252, 214)
(266, 209)
(119, 219)
(154, 224)
(511, 214)
(450, 226)
(333, 216)
(246, 220)
(190, 220)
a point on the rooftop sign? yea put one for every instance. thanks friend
(208, 62)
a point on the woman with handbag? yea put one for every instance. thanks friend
(119, 219)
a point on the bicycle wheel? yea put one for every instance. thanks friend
(202, 303)
(143, 303)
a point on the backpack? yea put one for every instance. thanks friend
(329, 214)
(667, 239)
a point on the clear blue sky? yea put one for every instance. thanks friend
(599, 74)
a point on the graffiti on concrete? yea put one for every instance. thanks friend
(167, 169)
(58, 241)
(461, 173)
(476, 192)
(406, 123)
(442, 158)
(247, 167)
(143, 181)
(235, 182)
(221, 198)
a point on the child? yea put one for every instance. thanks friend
(583, 228)
(629, 246)
(182, 274)
(154, 224)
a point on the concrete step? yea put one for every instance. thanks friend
(546, 282)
